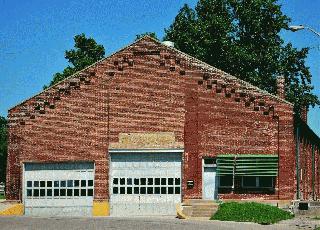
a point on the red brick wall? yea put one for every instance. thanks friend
(148, 97)
(225, 126)
(305, 169)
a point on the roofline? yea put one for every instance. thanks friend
(227, 75)
(301, 123)
(209, 67)
(76, 73)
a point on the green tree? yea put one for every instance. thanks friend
(86, 52)
(151, 34)
(242, 38)
(3, 148)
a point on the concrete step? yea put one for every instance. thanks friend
(199, 208)
(202, 214)
(203, 211)
(198, 201)
(205, 205)
(314, 203)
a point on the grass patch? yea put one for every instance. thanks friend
(316, 218)
(250, 212)
(2, 197)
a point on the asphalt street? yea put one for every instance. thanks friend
(137, 223)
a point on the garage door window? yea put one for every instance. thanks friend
(146, 186)
(63, 188)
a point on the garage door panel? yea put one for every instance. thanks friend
(57, 202)
(151, 183)
(58, 211)
(68, 187)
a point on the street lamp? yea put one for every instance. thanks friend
(301, 27)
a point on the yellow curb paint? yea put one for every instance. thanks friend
(14, 210)
(180, 213)
(101, 208)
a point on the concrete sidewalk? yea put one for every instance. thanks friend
(4, 205)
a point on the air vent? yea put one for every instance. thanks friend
(205, 76)
(172, 68)
(162, 63)
(242, 94)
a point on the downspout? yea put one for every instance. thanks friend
(233, 173)
(278, 156)
(298, 161)
(108, 119)
(313, 172)
(108, 133)
(108, 109)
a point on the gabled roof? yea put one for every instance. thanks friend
(193, 61)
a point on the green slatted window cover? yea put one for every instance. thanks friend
(247, 165)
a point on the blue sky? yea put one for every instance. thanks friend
(34, 35)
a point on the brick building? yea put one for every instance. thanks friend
(149, 127)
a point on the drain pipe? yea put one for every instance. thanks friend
(313, 172)
(298, 161)
(278, 143)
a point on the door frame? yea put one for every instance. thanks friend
(202, 173)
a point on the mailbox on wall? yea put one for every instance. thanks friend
(190, 184)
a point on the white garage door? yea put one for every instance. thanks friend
(58, 189)
(145, 183)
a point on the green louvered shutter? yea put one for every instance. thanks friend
(247, 165)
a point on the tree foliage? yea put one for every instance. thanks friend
(242, 38)
(3, 148)
(86, 52)
(151, 34)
